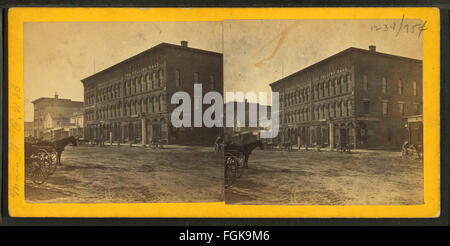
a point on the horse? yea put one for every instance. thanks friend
(245, 149)
(59, 145)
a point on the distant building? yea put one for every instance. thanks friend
(357, 96)
(245, 134)
(53, 114)
(29, 129)
(130, 101)
(77, 125)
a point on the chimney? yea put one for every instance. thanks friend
(184, 43)
(372, 48)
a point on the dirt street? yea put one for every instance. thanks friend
(328, 178)
(124, 174)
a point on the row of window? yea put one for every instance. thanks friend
(330, 110)
(340, 109)
(140, 84)
(385, 86)
(336, 87)
(386, 108)
(179, 82)
(321, 90)
(148, 105)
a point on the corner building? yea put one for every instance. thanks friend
(361, 97)
(130, 102)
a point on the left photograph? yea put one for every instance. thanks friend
(99, 102)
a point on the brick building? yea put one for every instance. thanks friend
(52, 109)
(130, 102)
(357, 96)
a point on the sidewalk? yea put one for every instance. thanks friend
(334, 150)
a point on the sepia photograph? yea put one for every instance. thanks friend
(224, 112)
(98, 112)
(349, 106)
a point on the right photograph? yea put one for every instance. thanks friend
(344, 103)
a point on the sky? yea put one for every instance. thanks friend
(57, 55)
(259, 52)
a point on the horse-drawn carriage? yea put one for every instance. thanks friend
(40, 161)
(43, 157)
(413, 146)
(236, 159)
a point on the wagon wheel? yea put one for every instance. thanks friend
(230, 170)
(54, 162)
(240, 165)
(40, 161)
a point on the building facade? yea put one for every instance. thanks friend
(29, 129)
(77, 125)
(358, 97)
(130, 102)
(48, 111)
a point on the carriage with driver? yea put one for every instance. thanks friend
(43, 157)
(236, 159)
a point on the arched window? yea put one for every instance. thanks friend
(154, 82)
(322, 89)
(317, 91)
(339, 104)
(155, 103)
(335, 87)
(144, 105)
(161, 103)
(349, 107)
(339, 89)
(400, 87)
(347, 82)
(132, 108)
(365, 83)
(320, 112)
(335, 109)
(143, 83)
(152, 104)
(138, 106)
(129, 87)
(161, 78)
(384, 85)
(148, 81)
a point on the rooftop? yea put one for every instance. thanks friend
(182, 47)
(371, 51)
